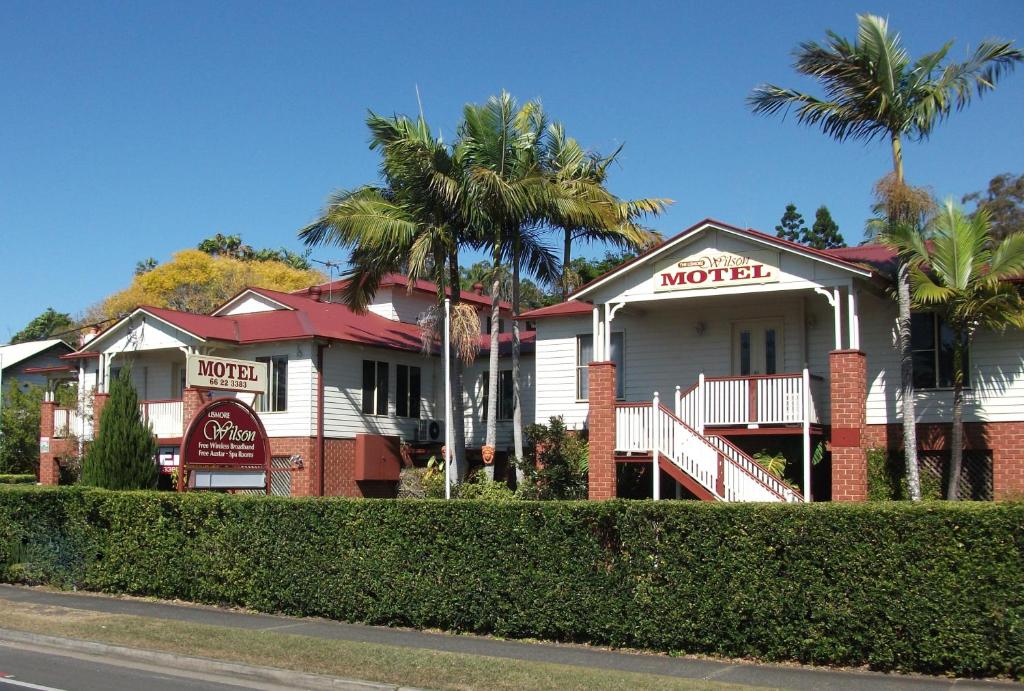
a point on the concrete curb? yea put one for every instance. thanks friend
(176, 664)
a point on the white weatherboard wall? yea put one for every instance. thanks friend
(299, 420)
(671, 344)
(476, 426)
(343, 391)
(997, 374)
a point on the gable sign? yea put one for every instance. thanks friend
(718, 269)
(226, 374)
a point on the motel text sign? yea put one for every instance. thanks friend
(717, 269)
(226, 374)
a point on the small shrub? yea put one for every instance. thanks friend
(17, 479)
(479, 487)
(562, 466)
(887, 478)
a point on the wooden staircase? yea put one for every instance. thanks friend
(708, 465)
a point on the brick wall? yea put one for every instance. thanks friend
(99, 402)
(192, 400)
(49, 462)
(848, 393)
(1005, 440)
(339, 469)
(601, 424)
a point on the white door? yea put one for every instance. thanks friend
(757, 347)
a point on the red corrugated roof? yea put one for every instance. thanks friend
(562, 309)
(307, 319)
(419, 285)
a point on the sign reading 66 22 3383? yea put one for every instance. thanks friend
(226, 374)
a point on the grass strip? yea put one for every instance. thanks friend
(348, 659)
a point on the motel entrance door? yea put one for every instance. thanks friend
(757, 347)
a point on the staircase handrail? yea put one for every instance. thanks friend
(739, 457)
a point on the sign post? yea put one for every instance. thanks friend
(225, 447)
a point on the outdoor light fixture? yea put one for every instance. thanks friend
(296, 462)
(700, 328)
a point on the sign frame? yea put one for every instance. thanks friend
(226, 374)
(199, 420)
(713, 268)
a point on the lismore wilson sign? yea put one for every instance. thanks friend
(226, 374)
(228, 438)
(717, 269)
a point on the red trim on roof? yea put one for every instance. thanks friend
(48, 370)
(419, 286)
(562, 309)
(80, 355)
(771, 239)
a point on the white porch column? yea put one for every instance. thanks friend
(655, 446)
(837, 306)
(806, 378)
(854, 319)
(596, 339)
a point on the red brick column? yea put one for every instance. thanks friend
(99, 401)
(601, 424)
(191, 401)
(49, 473)
(1006, 440)
(848, 391)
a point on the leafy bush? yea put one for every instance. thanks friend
(19, 428)
(479, 487)
(17, 479)
(887, 478)
(935, 587)
(561, 468)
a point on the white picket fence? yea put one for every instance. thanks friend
(68, 422)
(781, 399)
(167, 417)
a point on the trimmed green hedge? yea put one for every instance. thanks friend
(931, 588)
(17, 479)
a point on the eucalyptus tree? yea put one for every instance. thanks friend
(873, 90)
(411, 221)
(965, 277)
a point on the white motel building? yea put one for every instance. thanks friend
(717, 344)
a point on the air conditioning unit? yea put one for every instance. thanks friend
(430, 431)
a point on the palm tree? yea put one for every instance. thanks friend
(873, 90)
(962, 274)
(583, 175)
(412, 221)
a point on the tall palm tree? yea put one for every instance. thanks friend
(961, 274)
(874, 90)
(581, 174)
(412, 221)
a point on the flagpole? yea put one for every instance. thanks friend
(447, 401)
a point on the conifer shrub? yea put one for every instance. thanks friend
(936, 587)
(123, 455)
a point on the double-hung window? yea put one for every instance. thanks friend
(506, 400)
(407, 391)
(375, 387)
(931, 341)
(584, 356)
(276, 398)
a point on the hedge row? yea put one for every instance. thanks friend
(17, 479)
(933, 588)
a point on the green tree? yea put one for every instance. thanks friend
(791, 226)
(960, 273)
(19, 428)
(1003, 201)
(414, 220)
(874, 90)
(44, 326)
(824, 234)
(123, 455)
(145, 266)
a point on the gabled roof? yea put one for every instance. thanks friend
(746, 233)
(19, 352)
(562, 309)
(419, 285)
(241, 294)
(301, 318)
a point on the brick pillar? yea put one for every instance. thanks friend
(99, 401)
(602, 430)
(192, 400)
(49, 473)
(848, 392)
(1006, 439)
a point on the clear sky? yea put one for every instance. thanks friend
(136, 129)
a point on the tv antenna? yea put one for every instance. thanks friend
(331, 265)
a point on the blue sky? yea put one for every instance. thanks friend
(136, 129)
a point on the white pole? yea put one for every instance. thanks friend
(655, 446)
(837, 310)
(853, 318)
(448, 426)
(807, 433)
(699, 422)
(679, 402)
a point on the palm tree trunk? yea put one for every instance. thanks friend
(956, 442)
(492, 375)
(903, 342)
(907, 380)
(458, 400)
(517, 408)
(566, 258)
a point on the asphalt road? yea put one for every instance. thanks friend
(23, 667)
